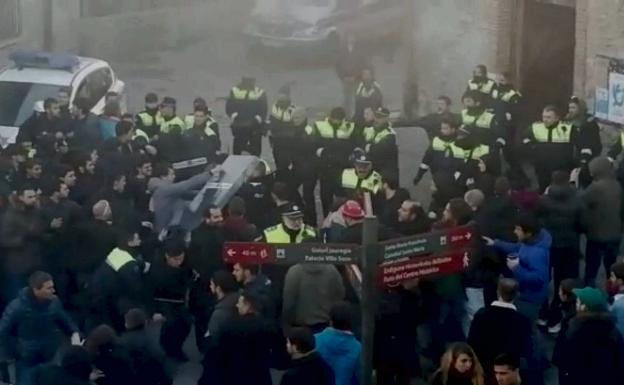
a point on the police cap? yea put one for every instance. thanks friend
(292, 210)
(382, 112)
(169, 101)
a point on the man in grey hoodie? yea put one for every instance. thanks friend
(603, 202)
(310, 291)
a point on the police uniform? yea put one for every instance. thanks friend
(351, 183)
(149, 122)
(247, 109)
(168, 124)
(486, 88)
(115, 288)
(333, 145)
(211, 126)
(381, 147)
(552, 149)
(442, 155)
(484, 125)
(506, 107)
(282, 135)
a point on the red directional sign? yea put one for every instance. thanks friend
(428, 243)
(394, 273)
(248, 253)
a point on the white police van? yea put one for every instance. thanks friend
(35, 76)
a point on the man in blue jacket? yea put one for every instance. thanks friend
(528, 262)
(339, 347)
(29, 325)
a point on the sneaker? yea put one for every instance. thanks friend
(555, 328)
(542, 322)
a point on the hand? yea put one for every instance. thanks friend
(148, 225)
(512, 263)
(56, 223)
(158, 318)
(488, 241)
(151, 150)
(76, 340)
(508, 116)
(319, 152)
(258, 119)
(59, 135)
(96, 374)
(233, 116)
(482, 166)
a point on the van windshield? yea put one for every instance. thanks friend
(17, 100)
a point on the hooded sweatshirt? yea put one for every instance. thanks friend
(603, 201)
(532, 273)
(561, 213)
(310, 290)
(341, 350)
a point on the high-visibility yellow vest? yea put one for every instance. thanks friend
(166, 125)
(506, 96)
(138, 133)
(485, 88)
(241, 94)
(351, 180)
(371, 136)
(475, 153)
(325, 130)
(448, 148)
(482, 121)
(277, 234)
(282, 114)
(118, 258)
(189, 121)
(148, 120)
(364, 92)
(560, 134)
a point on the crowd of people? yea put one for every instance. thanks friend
(82, 254)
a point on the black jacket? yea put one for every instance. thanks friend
(95, 240)
(205, 250)
(561, 213)
(593, 351)
(116, 364)
(309, 370)
(168, 287)
(496, 329)
(147, 357)
(247, 339)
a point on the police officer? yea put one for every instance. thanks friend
(198, 103)
(149, 120)
(507, 109)
(551, 143)
(381, 145)
(480, 163)
(170, 121)
(367, 94)
(200, 145)
(481, 83)
(334, 143)
(587, 141)
(117, 285)
(281, 130)
(291, 229)
(247, 109)
(360, 178)
(479, 121)
(442, 153)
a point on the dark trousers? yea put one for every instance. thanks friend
(175, 330)
(328, 178)
(283, 152)
(596, 252)
(249, 143)
(564, 264)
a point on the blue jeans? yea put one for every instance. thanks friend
(597, 252)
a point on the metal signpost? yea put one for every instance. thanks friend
(383, 264)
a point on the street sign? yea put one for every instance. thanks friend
(337, 254)
(419, 267)
(428, 243)
(252, 253)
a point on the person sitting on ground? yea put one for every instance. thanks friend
(308, 367)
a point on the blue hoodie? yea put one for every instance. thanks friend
(532, 273)
(341, 351)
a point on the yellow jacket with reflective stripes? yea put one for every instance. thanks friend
(482, 121)
(277, 234)
(118, 258)
(166, 125)
(350, 180)
(241, 94)
(371, 136)
(562, 133)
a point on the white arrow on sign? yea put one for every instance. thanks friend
(468, 235)
(231, 252)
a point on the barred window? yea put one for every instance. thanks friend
(10, 20)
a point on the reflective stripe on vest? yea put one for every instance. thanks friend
(138, 133)
(189, 120)
(482, 121)
(371, 136)
(365, 92)
(166, 125)
(352, 181)
(148, 120)
(475, 153)
(507, 96)
(560, 134)
(326, 130)
(254, 94)
(283, 115)
(118, 258)
(448, 148)
(277, 234)
(485, 88)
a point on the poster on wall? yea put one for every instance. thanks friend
(601, 103)
(616, 97)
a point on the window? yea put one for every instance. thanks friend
(95, 85)
(17, 100)
(10, 19)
